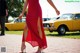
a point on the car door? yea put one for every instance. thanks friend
(18, 25)
(76, 22)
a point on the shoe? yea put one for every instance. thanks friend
(39, 51)
(23, 48)
(22, 52)
(2, 34)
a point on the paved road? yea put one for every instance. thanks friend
(55, 45)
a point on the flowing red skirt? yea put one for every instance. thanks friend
(33, 37)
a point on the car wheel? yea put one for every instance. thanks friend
(6, 29)
(50, 29)
(61, 30)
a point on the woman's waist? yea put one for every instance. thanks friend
(34, 12)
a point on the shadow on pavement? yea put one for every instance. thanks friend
(67, 34)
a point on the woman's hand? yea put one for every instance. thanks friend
(52, 4)
(57, 12)
(20, 16)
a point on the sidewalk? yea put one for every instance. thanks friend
(55, 45)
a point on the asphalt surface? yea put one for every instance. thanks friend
(12, 43)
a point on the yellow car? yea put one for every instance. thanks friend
(16, 24)
(67, 22)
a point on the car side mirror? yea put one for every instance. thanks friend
(57, 17)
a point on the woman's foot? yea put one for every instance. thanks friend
(39, 50)
(22, 52)
(23, 46)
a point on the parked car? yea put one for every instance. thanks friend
(48, 23)
(67, 22)
(16, 24)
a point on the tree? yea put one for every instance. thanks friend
(14, 7)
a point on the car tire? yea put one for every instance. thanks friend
(50, 30)
(6, 29)
(61, 30)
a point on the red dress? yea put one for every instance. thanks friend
(33, 37)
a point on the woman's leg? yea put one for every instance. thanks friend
(40, 34)
(23, 46)
(39, 28)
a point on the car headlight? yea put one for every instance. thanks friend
(46, 25)
(52, 25)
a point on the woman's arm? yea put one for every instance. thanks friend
(6, 8)
(6, 12)
(52, 4)
(24, 8)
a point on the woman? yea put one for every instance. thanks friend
(33, 31)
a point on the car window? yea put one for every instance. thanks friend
(23, 20)
(19, 20)
(46, 19)
(16, 20)
(53, 18)
(78, 16)
(66, 16)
